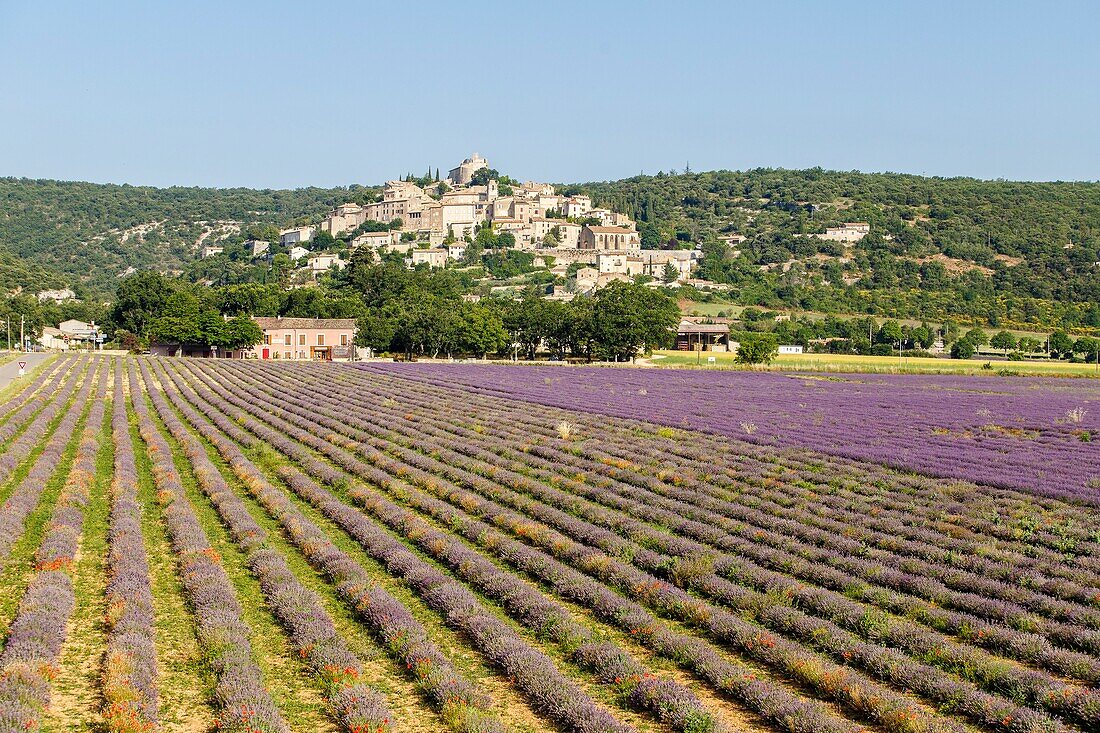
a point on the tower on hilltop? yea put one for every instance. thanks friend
(461, 175)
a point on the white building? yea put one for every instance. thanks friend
(53, 338)
(297, 252)
(610, 218)
(211, 250)
(655, 262)
(74, 330)
(323, 263)
(296, 235)
(577, 206)
(586, 278)
(851, 231)
(375, 240)
(433, 258)
(257, 247)
(790, 349)
(609, 238)
(568, 233)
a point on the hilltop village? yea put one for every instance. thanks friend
(475, 210)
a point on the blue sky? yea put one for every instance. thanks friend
(282, 94)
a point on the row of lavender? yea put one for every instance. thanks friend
(31, 652)
(23, 497)
(1078, 708)
(130, 663)
(1028, 434)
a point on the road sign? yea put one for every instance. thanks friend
(22, 366)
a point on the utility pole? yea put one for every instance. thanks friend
(8, 319)
(22, 339)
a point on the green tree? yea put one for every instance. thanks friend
(376, 329)
(236, 333)
(962, 349)
(670, 274)
(977, 337)
(757, 348)
(628, 318)
(1088, 346)
(174, 330)
(922, 336)
(263, 232)
(481, 331)
(889, 333)
(322, 241)
(1003, 340)
(1061, 345)
(140, 299)
(1028, 345)
(249, 299)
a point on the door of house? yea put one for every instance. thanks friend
(267, 353)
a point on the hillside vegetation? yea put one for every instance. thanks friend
(999, 251)
(89, 234)
(996, 253)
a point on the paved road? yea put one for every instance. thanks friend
(10, 370)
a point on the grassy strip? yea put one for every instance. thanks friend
(860, 364)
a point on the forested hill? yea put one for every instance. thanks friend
(1019, 247)
(86, 235)
(996, 251)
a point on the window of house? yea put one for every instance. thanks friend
(286, 339)
(320, 339)
(301, 339)
(267, 339)
(343, 339)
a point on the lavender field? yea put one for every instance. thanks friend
(202, 545)
(1038, 435)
